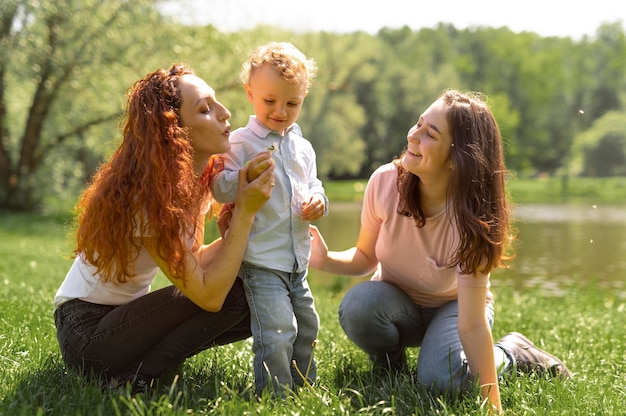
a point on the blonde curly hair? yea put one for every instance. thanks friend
(288, 61)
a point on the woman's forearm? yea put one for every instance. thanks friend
(222, 259)
(215, 266)
(478, 347)
(351, 262)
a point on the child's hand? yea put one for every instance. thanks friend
(258, 164)
(313, 208)
(223, 222)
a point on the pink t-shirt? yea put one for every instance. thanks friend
(411, 258)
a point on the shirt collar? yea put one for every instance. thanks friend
(260, 130)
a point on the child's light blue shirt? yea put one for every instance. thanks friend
(279, 238)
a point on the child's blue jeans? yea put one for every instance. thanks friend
(284, 326)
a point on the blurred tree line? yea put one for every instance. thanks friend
(65, 67)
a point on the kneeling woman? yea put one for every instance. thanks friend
(144, 211)
(434, 224)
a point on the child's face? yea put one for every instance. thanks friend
(277, 103)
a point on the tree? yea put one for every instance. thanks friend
(608, 157)
(608, 57)
(601, 150)
(331, 118)
(54, 56)
(411, 70)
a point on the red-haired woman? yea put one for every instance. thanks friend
(145, 211)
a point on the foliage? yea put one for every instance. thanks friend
(60, 59)
(65, 66)
(601, 150)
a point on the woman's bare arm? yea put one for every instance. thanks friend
(356, 261)
(212, 268)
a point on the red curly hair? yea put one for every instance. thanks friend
(148, 187)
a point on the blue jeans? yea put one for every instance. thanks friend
(382, 320)
(284, 327)
(147, 336)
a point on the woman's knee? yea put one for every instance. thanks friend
(356, 304)
(449, 373)
(370, 301)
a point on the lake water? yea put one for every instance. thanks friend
(560, 247)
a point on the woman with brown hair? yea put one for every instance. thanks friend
(435, 223)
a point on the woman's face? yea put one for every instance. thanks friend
(429, 142)
(206, 118)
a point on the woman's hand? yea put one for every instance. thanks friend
(319, 249)
(254, 192)
(356, 261)
(258, 164)
(252, 195)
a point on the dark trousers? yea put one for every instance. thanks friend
(147, 336)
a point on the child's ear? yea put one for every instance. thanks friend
(248, 89)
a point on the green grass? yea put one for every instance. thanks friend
(585, 328)
(522, 190)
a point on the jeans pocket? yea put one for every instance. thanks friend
(79, 362)
(75, 323)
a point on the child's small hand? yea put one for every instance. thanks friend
(313, 209)
(223, 222)
(258, 164)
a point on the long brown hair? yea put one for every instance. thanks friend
(148, 186)
(477, 189)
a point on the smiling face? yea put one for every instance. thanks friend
(277, 102)
(429, 142)
(205, 117)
